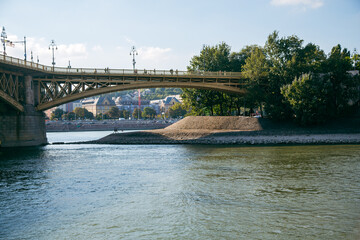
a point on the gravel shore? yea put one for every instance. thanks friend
(239, 131)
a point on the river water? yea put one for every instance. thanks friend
(179, 191)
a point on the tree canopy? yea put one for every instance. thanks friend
(285, 77)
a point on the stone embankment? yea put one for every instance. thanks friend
(70, 126)
(240, 130)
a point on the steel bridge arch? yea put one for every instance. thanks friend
(125, 87)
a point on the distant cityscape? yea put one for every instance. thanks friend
(127, 101)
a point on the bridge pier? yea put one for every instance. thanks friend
(22, 129)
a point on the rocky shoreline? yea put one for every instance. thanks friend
(230, 138)
(237, 131)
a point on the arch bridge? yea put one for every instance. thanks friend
(53, 86)
(27, 89)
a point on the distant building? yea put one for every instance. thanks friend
(98, 105)
(168, 102)
(131, 101)
(76, 104)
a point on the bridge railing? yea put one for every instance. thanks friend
(102, 71)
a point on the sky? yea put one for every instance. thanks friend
(168, 33)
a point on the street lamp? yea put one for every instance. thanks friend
(23, 42)
(53, 47)
(3, 39)
(133, 52)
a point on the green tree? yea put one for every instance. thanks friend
(210, 102)
(125, 114)
(256, 70)
(356, 60)
(337, 65)
(280, 52)
(148, 113)
(57, 114)
(136, 113)
(69, 116)
(177, 110)
(114, 113)
(308, 97)
(83, 113)
(101, 116)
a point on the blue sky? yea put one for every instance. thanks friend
(168, 33)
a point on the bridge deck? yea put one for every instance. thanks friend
(43, 69)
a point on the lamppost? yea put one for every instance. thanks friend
(3, 39)
(133, 52)
(53, 47)
(23, 42)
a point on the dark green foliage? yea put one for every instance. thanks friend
(69, 116)
(210, 102)
(275, 80)
(57, 114)
(114, 113)
(83, 113)
(177, 110)
(308, 96)
(136, 113)
(148, 113)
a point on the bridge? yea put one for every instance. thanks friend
(28, 88)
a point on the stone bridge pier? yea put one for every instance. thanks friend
(23, 128)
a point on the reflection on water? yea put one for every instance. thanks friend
(180, 192)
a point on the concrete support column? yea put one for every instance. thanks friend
(36, 93)
(29, 90)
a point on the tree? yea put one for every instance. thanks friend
(57, 114)
(136, 113)
(356, 60)
(125, 114)
(69, 116)
(114, 113)
(83, 113)
(337, 65)
(177, 110)
(256, 70)
(101, 116)
(148, 113)
(210, 102)
(308, 97)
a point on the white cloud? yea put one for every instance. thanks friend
(299, 3)
(154, 53)
(73, 50)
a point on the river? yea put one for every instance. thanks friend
(178, 191)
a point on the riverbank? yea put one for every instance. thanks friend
(240, 131)
(108, 125)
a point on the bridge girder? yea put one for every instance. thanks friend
(64, 96)
(10, 87)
